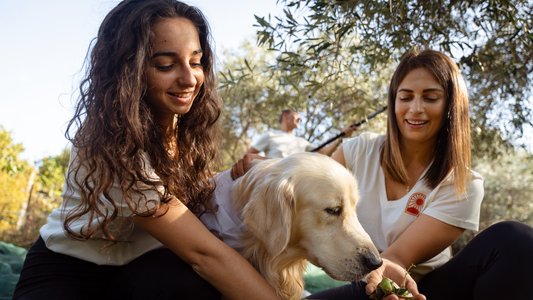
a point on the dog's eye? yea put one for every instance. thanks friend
(334, 211)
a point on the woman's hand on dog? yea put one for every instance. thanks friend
(243, 165)
(397, 274)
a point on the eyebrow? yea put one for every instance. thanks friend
(195, 52)
(424, 91)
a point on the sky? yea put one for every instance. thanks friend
(43, 47)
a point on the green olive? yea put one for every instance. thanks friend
(386, 285)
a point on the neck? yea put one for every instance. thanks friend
(286, 128)
(418, 153)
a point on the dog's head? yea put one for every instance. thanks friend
(305, 206)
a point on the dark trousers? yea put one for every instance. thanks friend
(158, 274)
(496, 264)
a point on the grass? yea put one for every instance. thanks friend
(316, 280)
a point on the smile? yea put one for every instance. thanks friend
(416, 122)
(180, 95)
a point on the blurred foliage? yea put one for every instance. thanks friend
(508, 190)
(52, 171)
(251, 99)
(491, 41)
(13, 193)
(254, 93)
(17, 190)
(14, 176)
(9, 152)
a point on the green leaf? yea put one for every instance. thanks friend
(262, 22)
(402, 292)
(248, 65)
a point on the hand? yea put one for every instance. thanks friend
(243, 165)
(348, 130)
(396, 273)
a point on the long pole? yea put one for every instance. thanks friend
(356, 124)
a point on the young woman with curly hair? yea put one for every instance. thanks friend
(140, 171)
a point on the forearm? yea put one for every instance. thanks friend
(233, 276)
(331, 147)
(422, 240)
(250, 150)
(225, 269)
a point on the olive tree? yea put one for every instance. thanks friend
(254, 92)
(491, 41)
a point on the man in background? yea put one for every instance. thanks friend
(282, 143)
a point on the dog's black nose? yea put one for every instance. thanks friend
(373, 262)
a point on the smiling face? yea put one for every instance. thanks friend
(175, 73)
(419, 106)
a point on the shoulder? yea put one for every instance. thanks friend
(476, 180)
(263, 140)
(365, 140)
(302, 139)
(362, 150)
(458, 210)
(272, 134)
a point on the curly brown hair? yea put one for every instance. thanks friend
(116, 132)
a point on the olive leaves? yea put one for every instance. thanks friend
(388, 287)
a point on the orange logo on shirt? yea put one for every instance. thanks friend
(415, 203)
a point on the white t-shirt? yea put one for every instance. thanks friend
(225, 222)
(132, 241)
(279, 144)
(386, 220)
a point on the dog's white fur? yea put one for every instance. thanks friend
(298, 209)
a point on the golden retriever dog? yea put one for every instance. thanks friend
(298, 209)
(285, 212)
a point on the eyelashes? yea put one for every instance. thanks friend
(409, 98)
(169, 67)
(164, 68)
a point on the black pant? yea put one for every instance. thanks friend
(158, 274)
(496, 264)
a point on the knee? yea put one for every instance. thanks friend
(160, 274)
(511, 233)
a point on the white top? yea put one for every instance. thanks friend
(279, 144)
(132, 241)
(386, 220)
(225, 222)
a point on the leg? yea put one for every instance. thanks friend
(49, 275)
(354, 291)
(496, 264)
(159, 274)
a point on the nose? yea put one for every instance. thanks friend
(186, 76)
(373, 262)
(417, 105)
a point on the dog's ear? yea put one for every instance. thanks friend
(268, 213)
